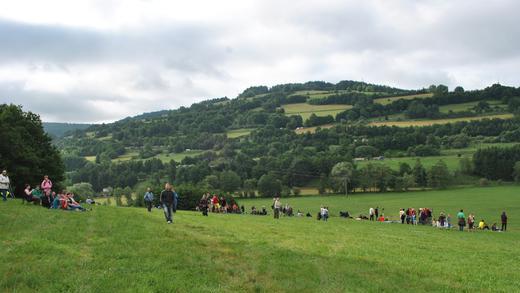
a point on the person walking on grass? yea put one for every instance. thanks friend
(461, 220)
(4, 184)
(148, 199)
(503, 217)
(168, 202)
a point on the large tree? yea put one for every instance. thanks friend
(26, 150)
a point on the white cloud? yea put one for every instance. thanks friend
(97, 61)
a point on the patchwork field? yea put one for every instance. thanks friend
(438, 121)
(128, 249)
(305, 110)
(468, 106)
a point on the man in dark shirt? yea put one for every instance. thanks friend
(503, 217)
(168, 202)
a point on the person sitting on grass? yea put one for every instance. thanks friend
(27, 194)
(495, 228)
(56, 202)
(72, 204)
(36, 194)
(482, 225)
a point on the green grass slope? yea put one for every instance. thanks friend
(127, 249)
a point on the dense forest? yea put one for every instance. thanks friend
(26, 151)
(271, 157)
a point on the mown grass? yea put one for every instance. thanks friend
(438, 121)
(125, 249)
(305, 110)
(485, 202)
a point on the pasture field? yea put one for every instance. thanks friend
(238, 132)
(127, 156)
(467, 106)
(113, 249)
(438, 121)
(452, 161)
(449, 156)
(177, 157)
(389, 100)
(305, 110)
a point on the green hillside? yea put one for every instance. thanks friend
(297, 133)
(128, 249)
(59, 129)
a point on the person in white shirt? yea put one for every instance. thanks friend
(371, 213)
(4, 184)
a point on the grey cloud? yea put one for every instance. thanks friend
(404, 43)
(183, 47)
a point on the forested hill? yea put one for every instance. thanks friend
(56, 129)
(293, 132)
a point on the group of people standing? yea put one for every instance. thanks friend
(214, 204)
(470, 222)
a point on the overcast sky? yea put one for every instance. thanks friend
(103, 60)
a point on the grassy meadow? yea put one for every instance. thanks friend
(305, 110)
(467, 106)
(389, 100)
(128, 249)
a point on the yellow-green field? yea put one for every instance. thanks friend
(389, 100)
(90, 158)
(238, 132)
(305, 110)
(438, 121)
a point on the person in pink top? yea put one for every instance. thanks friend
(46, 185)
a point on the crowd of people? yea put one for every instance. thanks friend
(216, 204)
(42, 194)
